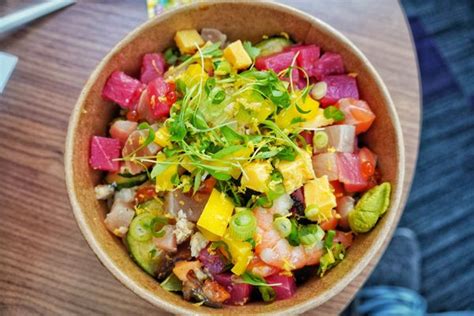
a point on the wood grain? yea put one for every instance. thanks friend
(46, 265)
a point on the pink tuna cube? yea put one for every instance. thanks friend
(307, 58)
(103, 152)
(328, 64)
(277, 62)
(239, 292)
(122, 89)
(153, 66)
(339, 87)
(348, 166)
(287, 287)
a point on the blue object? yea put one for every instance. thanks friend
(7, 64)
(440, 209)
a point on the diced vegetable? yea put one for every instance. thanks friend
(339, 87)
(256, 175)
(103, 152)
(121, 129)
(188, 41)
(373, 204)
(319, 120)
(273, 45)
(318, 192)
(239, 292)
(309, 235)
(349, 172)
(283, 226)
(242, 225)
(319, 90)
(162, 137)
(236, 54)
(125, 180)
(241, 252)
(357, 113)
(122, 89)
(287, 287)
(297, 172)
(328, 64)
(153, 66)
(144, 252)
(215, 216)
(164, 180)
(181, 269)
(300, 110)
(212, 260)
(340, 139)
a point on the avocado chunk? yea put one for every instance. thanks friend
(373, 204)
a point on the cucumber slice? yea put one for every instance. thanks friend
(273, 45)
(125, 180)
(140, 227)
(144, 253)
(154, 206)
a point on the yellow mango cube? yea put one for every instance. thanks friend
(318, 121)
(236, 54)
(186, 40)
(297, 172)
(162, 137)
(318, 192)
(287, 116)
(257, 175)
(194, 75)
(164, 179)
(186, 164)
(241, 252)
(216, 216)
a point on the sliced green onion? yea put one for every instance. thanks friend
(241, 209)
(293, 238)
(310, 234)
(156, 226)
(217, 95)
(332, 112)
(243, 225)
(268, 293)
(329, 238)
(319, 90)
(320, 140)
(311, 212)
(283, 226)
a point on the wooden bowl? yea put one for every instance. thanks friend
(247, 20)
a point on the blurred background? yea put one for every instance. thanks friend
(440, 206)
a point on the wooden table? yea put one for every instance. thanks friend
(46, 267)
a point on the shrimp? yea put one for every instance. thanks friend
(276, 251)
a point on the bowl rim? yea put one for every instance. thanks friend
(147, 295)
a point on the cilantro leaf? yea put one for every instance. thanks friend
(251, 50)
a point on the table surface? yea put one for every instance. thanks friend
(46, 265)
